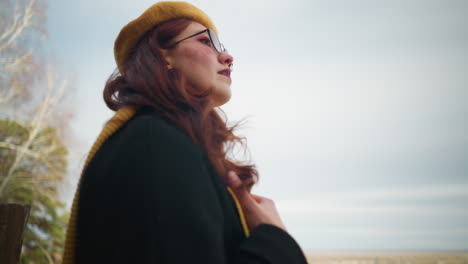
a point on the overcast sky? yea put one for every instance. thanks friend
(357, 110)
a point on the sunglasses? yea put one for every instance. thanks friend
(213, 38)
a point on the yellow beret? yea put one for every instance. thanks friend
(157, 13)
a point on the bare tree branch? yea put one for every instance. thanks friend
(12, 27)
(17, 28)
(12, 65)
(19, 149)
(38, 122)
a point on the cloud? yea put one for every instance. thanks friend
(354, 203)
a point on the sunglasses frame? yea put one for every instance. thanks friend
(211, 35)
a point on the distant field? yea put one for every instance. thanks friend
(387, 258)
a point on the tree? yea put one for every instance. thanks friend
(33, 156)
(34, 171)
(21, 31)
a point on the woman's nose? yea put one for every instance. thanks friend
(225, 58)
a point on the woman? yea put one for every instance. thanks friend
(155, 185)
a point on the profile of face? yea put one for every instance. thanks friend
(200, 63)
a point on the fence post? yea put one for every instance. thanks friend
(13, 219)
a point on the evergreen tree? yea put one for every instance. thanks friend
(34, 170)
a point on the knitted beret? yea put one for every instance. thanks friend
(157, 13)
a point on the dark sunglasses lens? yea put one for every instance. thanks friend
(215, 41)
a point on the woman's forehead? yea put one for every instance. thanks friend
(194, 27)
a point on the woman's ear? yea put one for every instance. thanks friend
(167, 58)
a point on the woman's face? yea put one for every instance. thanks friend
(200, 63)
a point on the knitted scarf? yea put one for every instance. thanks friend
(117, 121)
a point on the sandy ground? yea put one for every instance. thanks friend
(387, 258)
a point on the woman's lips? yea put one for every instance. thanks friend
(226, 72)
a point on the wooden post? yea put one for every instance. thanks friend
(13, 219)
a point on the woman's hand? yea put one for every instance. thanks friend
(258, 210)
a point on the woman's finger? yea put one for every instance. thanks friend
(258, 198)
(233, 180)
(241, 191)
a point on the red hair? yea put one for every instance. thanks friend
(148, 82)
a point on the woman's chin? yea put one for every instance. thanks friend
(220, 99)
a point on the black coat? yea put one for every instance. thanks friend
(150, 195)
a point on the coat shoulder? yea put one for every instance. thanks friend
(149, 128)
(149, 134)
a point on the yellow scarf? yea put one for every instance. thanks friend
(117, 121)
